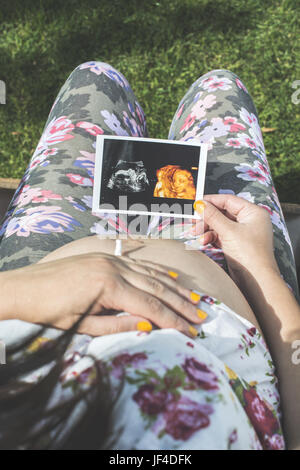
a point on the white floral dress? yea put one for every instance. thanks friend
(218, 391)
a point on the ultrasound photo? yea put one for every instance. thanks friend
(148, 176)
(128, 177)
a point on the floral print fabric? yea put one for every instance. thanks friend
(218, 391)
(52, 205)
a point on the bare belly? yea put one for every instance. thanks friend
(195, 269)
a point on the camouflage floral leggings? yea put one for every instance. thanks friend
(52, 205)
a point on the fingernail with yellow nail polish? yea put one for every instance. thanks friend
(195, 297)
(193, 331)
(173, 274)
(144, 326)
(199, 206)
(201, 314)
(201, 239)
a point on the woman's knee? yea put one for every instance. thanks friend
(220, 78)
(96, 65)
(99, 68)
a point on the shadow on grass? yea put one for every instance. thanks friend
(79, 31)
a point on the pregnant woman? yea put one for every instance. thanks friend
(187, 331)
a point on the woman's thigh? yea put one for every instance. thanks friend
(53, 204)
(218, 110)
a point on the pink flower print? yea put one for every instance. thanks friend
(247, 341)
(254, 131)
(135, 129)
(199, 109)
(87, 376)
(214, 83)
(88, 155)
(139, 112)
(234, 126)
(150, 400)
(40, 219)
(58, 130)
(266, 207)
(199, 373)
(86, 164)
(102, 67)
(241, 85)
(50, 152)
(113, 123)
(45, 195)
(260, 415)
(184, 417)
(36, 161)
(95, 67)
(275, 442)
(246, 141)
(248, 118)
(193, 134)
(91, 128)
(126, 359)
(206, 81)
(80, 180)
(41, 157)
(180, 111)
(34, 195)
(232, 438)
(235, 143)
(189, 121)
(207, 299)
(252, 331)
(257, 172)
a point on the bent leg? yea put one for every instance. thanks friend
(218, 110)
(53, 204)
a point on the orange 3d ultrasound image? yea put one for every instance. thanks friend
(174, 182)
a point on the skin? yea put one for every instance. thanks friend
(140, 284)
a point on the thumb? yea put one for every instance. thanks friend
(213, 217)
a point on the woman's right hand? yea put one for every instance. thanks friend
(58, 292)
(242, 230)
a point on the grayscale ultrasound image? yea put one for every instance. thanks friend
(129, 177)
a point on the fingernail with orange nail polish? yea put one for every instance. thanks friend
(195, 297)
(173, 274)
(193, 331)
(199, 206)
(201, 314)
(144, 326)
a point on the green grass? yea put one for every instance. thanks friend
(162, 47)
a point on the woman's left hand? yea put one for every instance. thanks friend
(58, 292)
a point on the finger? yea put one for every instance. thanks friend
(209, 237)
(215, 219)
(107, 325)
(199, 227)
(167, 277)
(154, 267)
(139, 302)
(230, 203)
(170, 297)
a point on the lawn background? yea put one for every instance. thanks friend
(161, 47)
